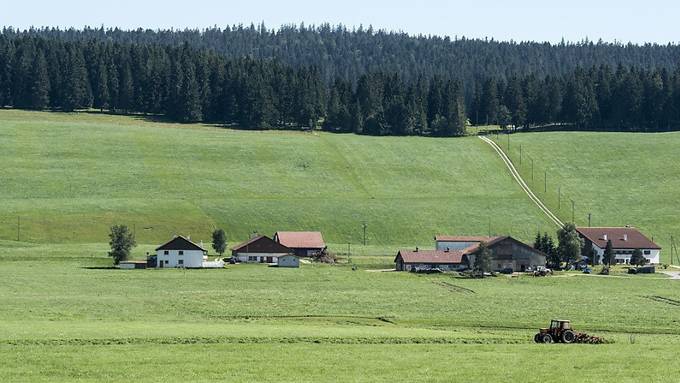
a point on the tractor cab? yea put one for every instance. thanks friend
(559, 324)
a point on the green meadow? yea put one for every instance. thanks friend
(619, 178)
(67, 316)
(67, 177)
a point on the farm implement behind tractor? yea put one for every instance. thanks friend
(561, 331)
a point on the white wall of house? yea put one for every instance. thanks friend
(180, 258)
(623, 255)
(443, 245)
(288, 261)
(258, 257)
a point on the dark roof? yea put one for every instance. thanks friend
(261, 244)
(431, 256)
(300, 239)
(621, 237)
(179, 243)
(462, 238)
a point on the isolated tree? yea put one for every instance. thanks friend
(219, 241)
(637, 259)
(482, 263)
(608, 256)
(569, 243)
(121, 241)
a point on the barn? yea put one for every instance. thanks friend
(425, 260)
(506, 252)
(302, 243)
(259, 249)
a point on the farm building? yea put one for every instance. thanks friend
(132, 265)
(181, 252)
(260, 249)
(302, 243)
(506, 252)
(624, 241)
(288, 260)
(459, 242)
(423, 260)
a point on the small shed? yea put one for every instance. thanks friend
(289, 261)
(129, 265)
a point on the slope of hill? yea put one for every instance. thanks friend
(619, 178)
(67, 177)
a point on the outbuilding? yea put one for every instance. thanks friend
(259, 249)
(288, 260)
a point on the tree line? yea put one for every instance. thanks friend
(186, 84)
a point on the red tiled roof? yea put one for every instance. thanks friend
(300, 239)
(633, 238)
(462, 238)
(431, 256)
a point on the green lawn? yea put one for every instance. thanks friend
(621, 178)
(67, 317)
(68, 177)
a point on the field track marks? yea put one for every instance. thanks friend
(515, 174)
(453, 288)
(352, 176)
(673, 302)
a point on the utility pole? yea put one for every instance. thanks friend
(18, 229)
(532, 170)
(559, 197)
(589, 217)
(349, 253)
(545, 181)
(508, 134)
(520, 154)
(364, 226)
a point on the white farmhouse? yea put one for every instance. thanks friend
(624, 241)
(181, 252)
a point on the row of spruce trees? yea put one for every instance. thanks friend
(188, 85)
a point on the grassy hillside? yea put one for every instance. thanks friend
(621, 178)
(67, 317)
(70, 176)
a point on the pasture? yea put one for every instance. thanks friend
(620, 178)
(67, 177)
(67, 316)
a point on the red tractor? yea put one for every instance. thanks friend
(559, 331)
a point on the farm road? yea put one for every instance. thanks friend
(515, 174)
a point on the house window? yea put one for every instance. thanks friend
(252, 258)
(181, 252)
(647, 252)
(180, 261)
(166, 252)
(166, 261)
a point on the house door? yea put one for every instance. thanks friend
(269, 259)
(160, 264)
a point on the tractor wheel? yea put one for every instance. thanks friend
(568, 336)
(537, 338)
(546, 338)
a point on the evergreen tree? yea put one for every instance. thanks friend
(219, 241)
(637, 258)
(40, 83)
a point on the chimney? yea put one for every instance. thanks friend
(447, 250)
(416, 249)
(604, 237)
(625, 237)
